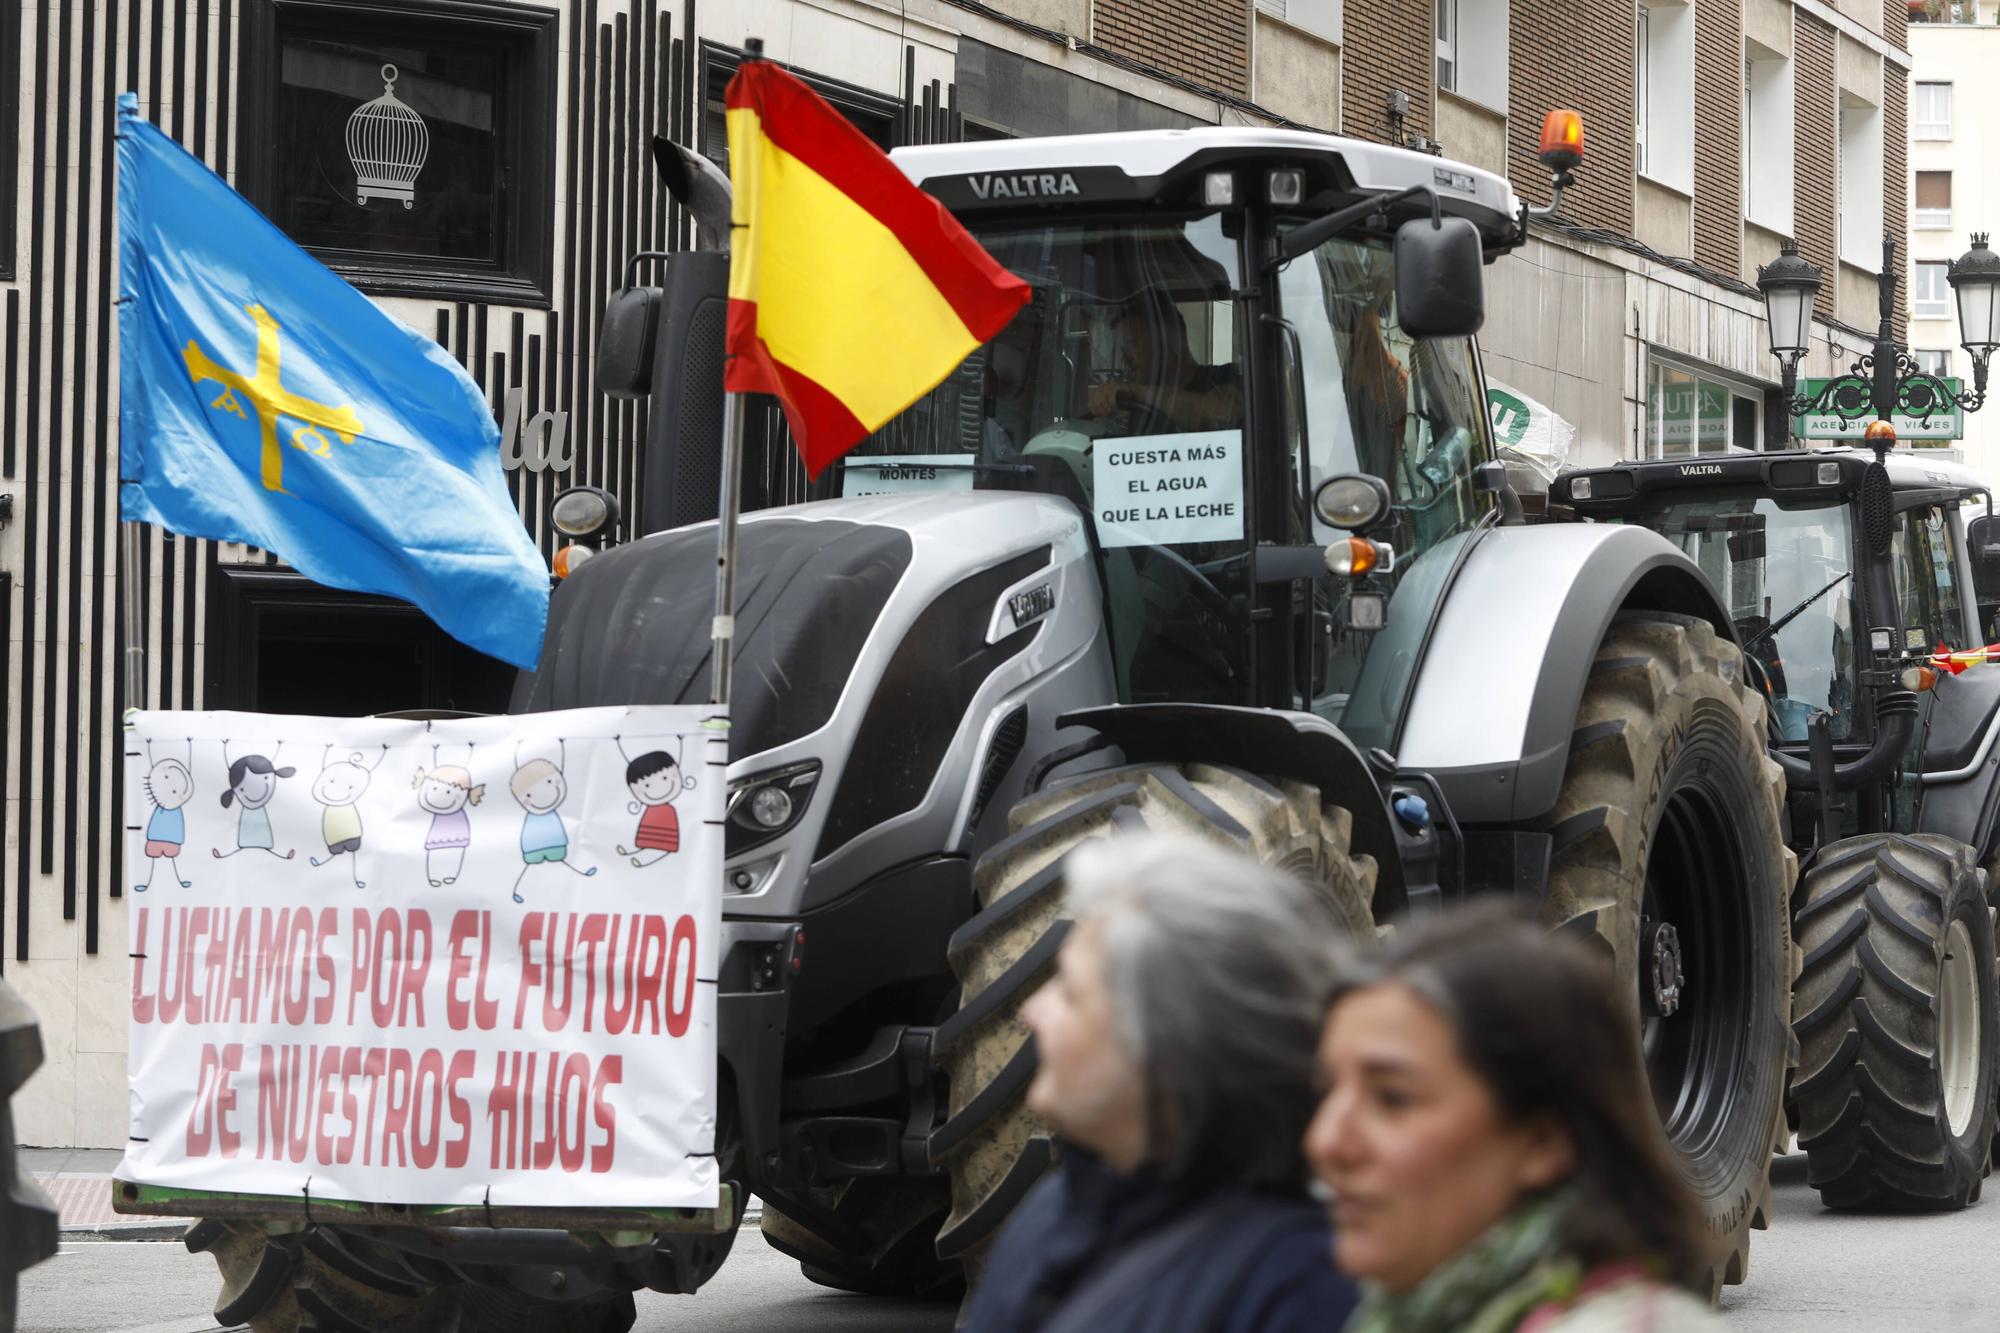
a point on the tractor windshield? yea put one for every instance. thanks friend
(1785, 575)
(1120, 386)
(1123, 386)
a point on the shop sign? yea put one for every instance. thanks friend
(1945, 424)
(543, 446)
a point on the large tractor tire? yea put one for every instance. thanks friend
(886, 1240)
(319, 1281)
(1899, 1049)
(992, 1147)
(1669, 854)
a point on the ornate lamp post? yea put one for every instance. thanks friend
(1886, 380)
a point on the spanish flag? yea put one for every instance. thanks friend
(851, 291)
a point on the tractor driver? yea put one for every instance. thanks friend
(1167, 389)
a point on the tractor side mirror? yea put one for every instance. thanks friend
(1983, 536)
(625, 342)
(1440, 278)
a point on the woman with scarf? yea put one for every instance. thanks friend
(1175, 1065)
(1488, 1148)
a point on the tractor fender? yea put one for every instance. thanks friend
(1269, 743)
(1496, 695)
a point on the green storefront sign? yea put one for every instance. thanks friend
(1944, 424)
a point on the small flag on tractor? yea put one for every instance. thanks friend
(852, 293)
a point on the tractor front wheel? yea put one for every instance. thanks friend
(992, 1146)
(1899, 1051)
(1668, 853)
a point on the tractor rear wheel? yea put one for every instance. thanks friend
(1899, 1050)
(1669, 854)
(992, 1146)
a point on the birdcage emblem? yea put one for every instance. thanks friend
(387, 143)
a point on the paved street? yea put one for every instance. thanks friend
(97, 1286)
(1813, 1271)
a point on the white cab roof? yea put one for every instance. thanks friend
(1144, 153)
(1917, 468)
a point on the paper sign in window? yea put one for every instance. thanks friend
(1168, 490)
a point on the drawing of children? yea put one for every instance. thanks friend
(540, 787)
(253, 781)
(655, 780)
(443, 793)
(168, 785)
(338, 787)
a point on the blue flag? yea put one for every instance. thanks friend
(264, 400)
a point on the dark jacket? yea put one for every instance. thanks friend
(1126, 1254)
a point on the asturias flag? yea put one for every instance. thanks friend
(852, 293)
(264, 400)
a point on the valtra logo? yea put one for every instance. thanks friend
(1024, 185)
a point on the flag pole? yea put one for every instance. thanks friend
(722, 636)
(132, 608)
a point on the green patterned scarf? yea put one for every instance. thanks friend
(1490, 1286)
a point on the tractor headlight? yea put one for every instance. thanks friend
(764, 805)
(1352, 502)
(771, 807)
(584, 512)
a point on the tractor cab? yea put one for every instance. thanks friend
(1201, 355)
(1836, 634)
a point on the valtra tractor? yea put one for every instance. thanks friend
(1212, 537)
(1845, 576)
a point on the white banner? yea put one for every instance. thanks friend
(1163, 490)
(426, 962)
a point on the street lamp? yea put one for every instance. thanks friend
(1975, 282)
(1789, 284)
(1886, 379)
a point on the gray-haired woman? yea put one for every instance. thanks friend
(1175, 1046)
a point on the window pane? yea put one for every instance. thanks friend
(1743, 432)
(1933, 362)
(391, 148)
(1673, 412)
(1933, 189)
(1930, 290)
(1932, 113)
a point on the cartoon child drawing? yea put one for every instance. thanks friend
(338, 787)
(655, 780)
(168, 785)
(253, 781)
(443, 793)
(540, 787)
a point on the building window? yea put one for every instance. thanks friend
(1930, 291)
(1944, 11)
(1861, 186)
(1447, 44)
(1688, 412)
(411, 149)
(1480, 28)
(873, 114)
(1930, 112)
(1665, 119)
(1319, 17)
(1767, 138)
(10, 107)
(1933, 362)
(1933, 198)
